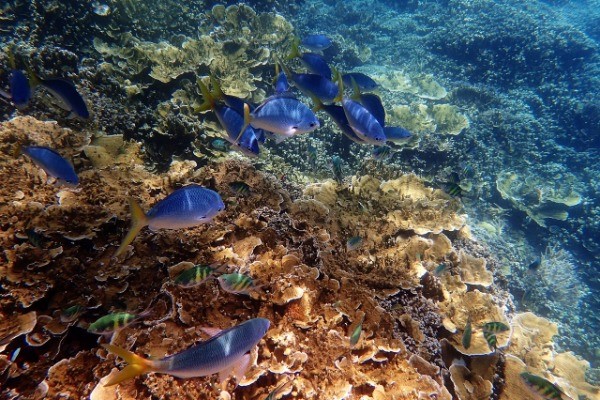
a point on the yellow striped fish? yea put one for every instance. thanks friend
(237, 283)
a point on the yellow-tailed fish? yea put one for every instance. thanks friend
(189, 206)
(224, 353)
(542, 387)
(467, 333)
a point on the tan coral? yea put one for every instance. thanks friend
(540, 200)
(480, 308)
(473, 270)
(469, 386)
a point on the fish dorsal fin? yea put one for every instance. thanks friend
(276, 73)
(34, 80)
(288, 72)
(211, 331)
(209, 101)
(217, 92)
(318, 103)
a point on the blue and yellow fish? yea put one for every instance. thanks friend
(186, 207)
(224, 353)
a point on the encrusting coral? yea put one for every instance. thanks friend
(312, 289)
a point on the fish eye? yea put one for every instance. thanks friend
(312, 124)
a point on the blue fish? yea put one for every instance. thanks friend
(53, 163)
(338, 116)
(317, 85)
(372, 102)
(220, 144)
(365, 83)
(230, 101)
(186, 207)
(233, 122)
(283, 115)
(224, 353)
(20, 91)
(363, 123)
(396, 134)
(316, 42)
(281, 83)
(67, 94)
(314, 62)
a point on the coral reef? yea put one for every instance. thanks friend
(537, 198)
(523, 143)
(312, 290)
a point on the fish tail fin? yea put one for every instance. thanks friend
(138, 221)
(34, 80)
(247, 121)
(137, 365)
(276, 73)
(11, 56)
(285, 69)
(209, 100)
(294, 52)
(318, 103)
(338, 77)
(216, 92)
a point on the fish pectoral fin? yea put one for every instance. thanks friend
(241, 367)
(237, 369)
(137, 365)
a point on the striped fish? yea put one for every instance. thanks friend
(491, 339)
(542, 387)
(495, 327)
(113, 322)
(194, 276)
(237, 283)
